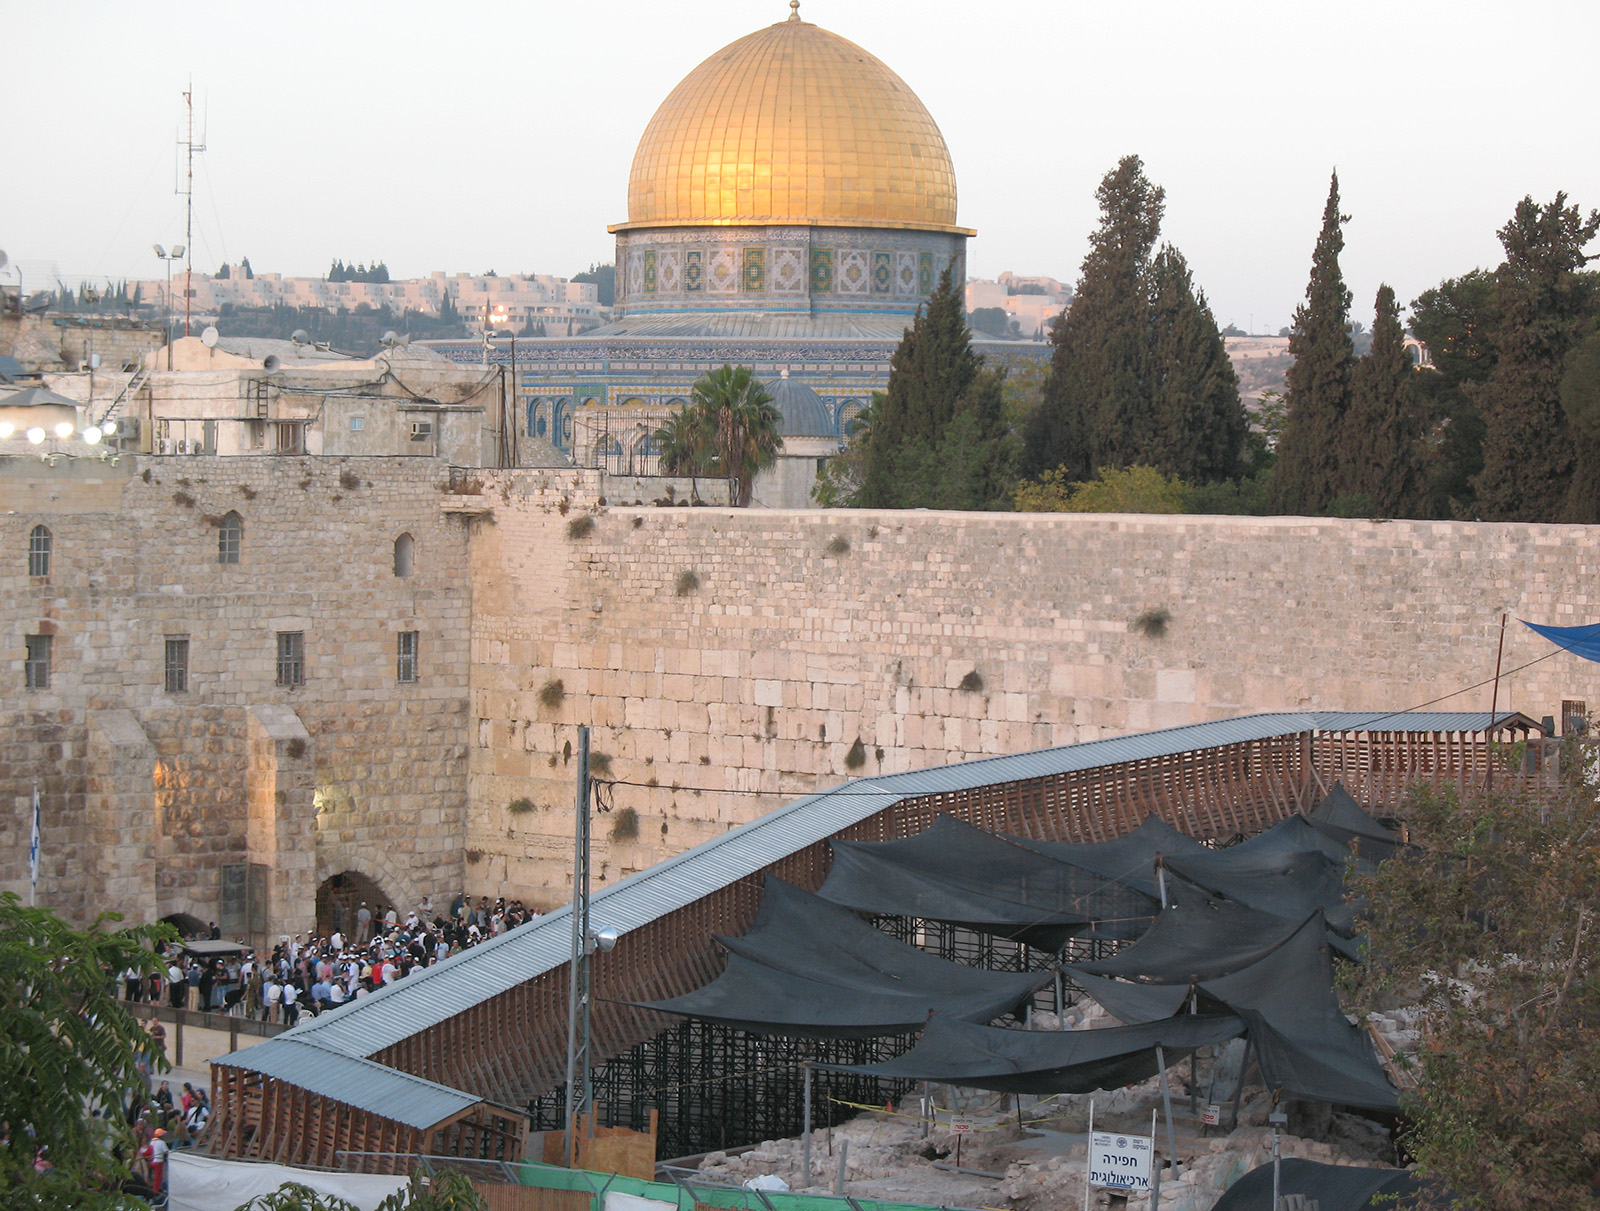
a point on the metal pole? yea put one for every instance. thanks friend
(805, 1148)
(1161, 879)
(1155, 1170)
(1494, 708)
(844, 1161)
(578, 972)
(1166, 1101)
(1088, 1155)
(1277, 1155)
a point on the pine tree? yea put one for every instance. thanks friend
(1542, 299)
(938, 433)
(1096, 408)
(1199, 424)
(1306, 478)
(1382, 430)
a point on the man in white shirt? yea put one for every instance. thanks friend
(271, 994)
(291, 1006)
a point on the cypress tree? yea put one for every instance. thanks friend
(938, 434)
(1096, 409)
(1306, 478)
(1199, 422)
(1542, 299)
(1382, 430)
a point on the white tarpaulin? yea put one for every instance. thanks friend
(204, 1183)
(616, 1200)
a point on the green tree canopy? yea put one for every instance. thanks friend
(1114, 490)
(1199, 423)
(1543, 302)
(938, 433)
(1456, 320)
(1096, 409)
(1383, 428)
(1309, 472)
(1492, 925)
(68, 1048)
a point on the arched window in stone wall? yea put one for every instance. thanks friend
(849, 409)
(404, 550)
(539, 418)
(39, 547)
(230, 538)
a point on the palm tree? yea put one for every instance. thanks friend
(739, 413)
(685, 443)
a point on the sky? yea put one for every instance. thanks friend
(499, 135)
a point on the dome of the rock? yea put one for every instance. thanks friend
(792, 125)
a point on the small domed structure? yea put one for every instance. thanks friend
(804, 414)
(809, 441)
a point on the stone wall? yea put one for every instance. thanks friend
(729, 660)
(378, 784)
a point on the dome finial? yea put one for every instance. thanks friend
(794, 10)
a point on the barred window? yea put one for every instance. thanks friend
(36, 669)
(177, 664)
(39, 551)
(230, 538)
(406, 656)
(291, 658)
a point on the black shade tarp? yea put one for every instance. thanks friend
(1130, 858)
(1050, 1061)
(815, 969)
(954, 872)
(1197, 940)
(1340, 817)
(1288, 883)
(1303, 1042)
(1333, 1187)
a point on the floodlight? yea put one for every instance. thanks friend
(160, 251)
(36, 435)
(108, 428)
(64, 428)
(91, 435)
(6, 428)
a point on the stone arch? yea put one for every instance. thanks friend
(539, 418)
(373, 863)
(405, 548)
(846, 415)
(339, 899)
(40, 545)
(230, 537)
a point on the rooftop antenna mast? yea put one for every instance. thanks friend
(190, 147)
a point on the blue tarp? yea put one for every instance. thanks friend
(1580, 641)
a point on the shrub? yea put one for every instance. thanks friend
(1152, 624)
(184, 499)
(349, 480)
(972, 683)
(599, 763)
(552, 692)
(837, 545)
(520, 807)
(580, 527)
(626, 825)
(688, 582)
(857, 756)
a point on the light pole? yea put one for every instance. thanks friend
(585, 941)
(166, 324)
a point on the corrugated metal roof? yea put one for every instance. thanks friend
(423, 999)
(361, 1083)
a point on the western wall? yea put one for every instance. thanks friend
(727, 661)
(730, 660)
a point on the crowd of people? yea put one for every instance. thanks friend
(313, 974)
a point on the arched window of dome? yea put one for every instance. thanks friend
(848, 411)
(561, 425)
(39, 547)
(404, 550)
(230, 538)
(539, 419)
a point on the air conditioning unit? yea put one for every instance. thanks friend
(163, 445)
(421, 430)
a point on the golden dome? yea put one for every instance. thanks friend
(792, 124)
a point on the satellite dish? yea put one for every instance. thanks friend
(300, 336)
(208, 338)
(4, 259)
(390, 338)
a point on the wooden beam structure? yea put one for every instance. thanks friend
(511, 1047)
